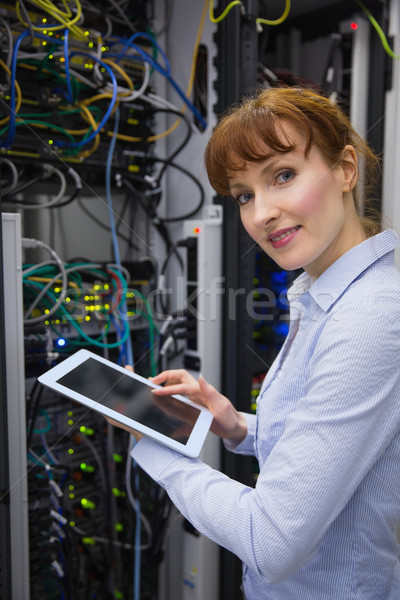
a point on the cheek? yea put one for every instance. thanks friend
(315, 199)
(248, 223)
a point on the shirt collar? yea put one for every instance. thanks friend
(335, 280)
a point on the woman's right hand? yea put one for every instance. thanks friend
(228, 423)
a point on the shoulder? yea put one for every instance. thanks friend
(375, 290)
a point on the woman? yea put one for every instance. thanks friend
(320, 523)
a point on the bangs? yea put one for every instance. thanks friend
(255, 136)
(253, 140)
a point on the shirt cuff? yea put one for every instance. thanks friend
(153, 457)
(246, 446)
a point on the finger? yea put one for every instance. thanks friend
(172, 376)
(206, 388)
(180, 388)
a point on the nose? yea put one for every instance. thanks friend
(266, 211)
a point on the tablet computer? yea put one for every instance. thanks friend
(126, 398)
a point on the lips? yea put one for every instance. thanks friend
(277, 236)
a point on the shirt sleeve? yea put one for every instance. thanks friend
(246, 446)
(347, 416)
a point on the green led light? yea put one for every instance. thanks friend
(70, 413)
(70, 422)
(118, 595)
(70, 451)
(89, 541)
(117, 458)
(72, 496)
(88, 504)
(86, 430)
(119, 527)
(87, 468)
(71, 487)
(72, 523)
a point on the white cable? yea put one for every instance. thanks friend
(136, 93)
(9, 52)
(14, 174)
(160, 102)
(49, 170)
(32, 243)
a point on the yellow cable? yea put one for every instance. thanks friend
(17, 90)
(195, 51)
(53, 11)
(225, 12)
(59, 281)
(159, 136)
(89, 151)
(101, 96)
(379, 31)
(277, 21)
(123, 73)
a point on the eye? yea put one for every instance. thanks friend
(285, 176)
(244, 198)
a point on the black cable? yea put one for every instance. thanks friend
(172, 251)
(21, 188)
(181, 145)
(37, 391)
(330, 74)
(152, 214)
(73, 196)
(194, 179)
(133, 206)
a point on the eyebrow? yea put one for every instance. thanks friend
(272, 159)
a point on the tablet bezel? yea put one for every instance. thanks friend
(197, 437)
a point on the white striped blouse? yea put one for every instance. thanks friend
(320, 523)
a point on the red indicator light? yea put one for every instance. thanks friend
(197, 230)
(354, 26)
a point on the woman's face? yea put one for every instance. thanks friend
(297, 208)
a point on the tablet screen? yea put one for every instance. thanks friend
(132, 398)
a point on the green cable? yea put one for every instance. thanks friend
(38, 122)
(379, 30)
(93, 341)
(224, 13)
(61, 112)
(152, 328)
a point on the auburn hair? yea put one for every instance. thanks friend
(252, 130)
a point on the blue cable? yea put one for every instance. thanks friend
(69, 95)
(167, 74)
(117, 257)
(61, 143)
(11, 128)
(152, 41)
(122, 358)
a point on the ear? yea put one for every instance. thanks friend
(349, 168)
